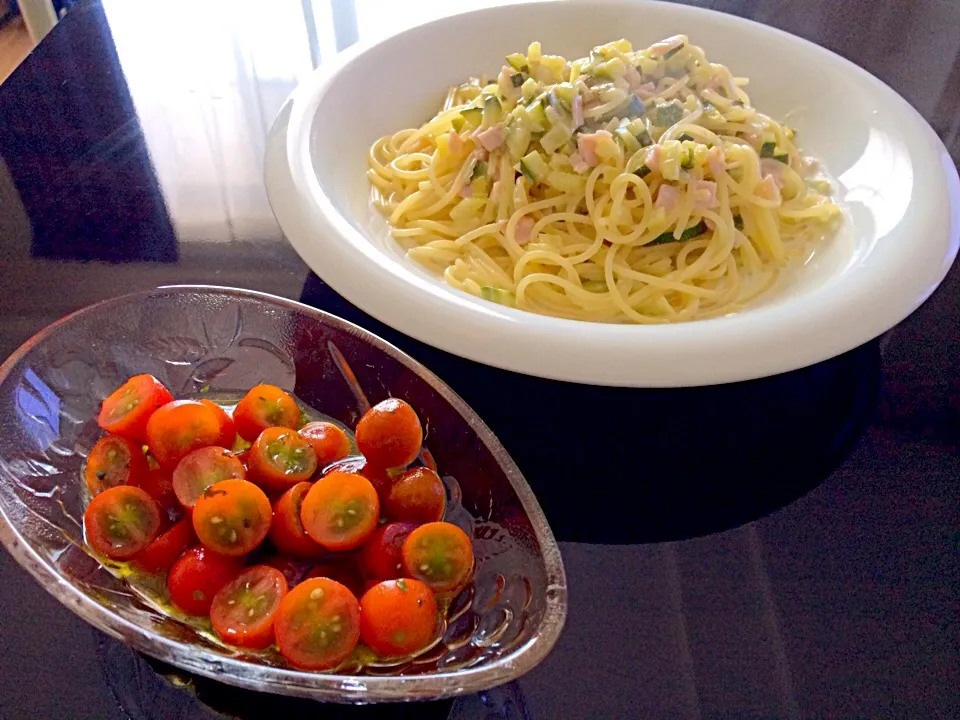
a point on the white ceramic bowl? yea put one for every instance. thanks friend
(898, 186)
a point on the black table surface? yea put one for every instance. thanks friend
(782, 548)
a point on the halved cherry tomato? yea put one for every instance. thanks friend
(342, 568)
(158, 484)
(203, 468)
(439, 554)
(244, 609)
(113, 461)
(280, 458)
(389, 434)
(329, 442)
(262, 407)
(160, 554)
(416, 496)
(381, 554)
(126, 410)
(228, 431)
(286, 530)
(380, 478)
(232, 517)
(398, 617)
(197, 576)
(318, 624)
(294, 569)
(180, 427)
(121, 521)
(340, 511)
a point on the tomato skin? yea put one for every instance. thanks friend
(398, 617)
(158, 484)
(294, 569)
(417, 496)
(145, 393)
(112, 461)
(163, 552)
(318, 624)
(379, 477)
(197, 576)
(340, 511)
(440, 555)
(286, 530)
(243, 610)
(389, 434)
(203, 468)
(232, 517)
(280, 458)
(265, 406)
(330, 443)
(381, 555)
(342, 568)
(228, 431)
(180, 427)
(121, 521)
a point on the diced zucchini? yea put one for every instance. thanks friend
(458, 122)
(670, 151)
(685, 136)
(673, 51)
(612, 68)
(621, 46)
(516, 79)
(554, 63)
(555, 138)
(612, 94)
(472, 116)
(566, 92)
(530, 88)
(566, 182)
(491, 111)
(537, 115)
(517, 61)
(691, 232)
(642, 171)
(533, 52)
(782, 157)
(687, 161)
(768, 149)
(574, 71)
(606, 147)
(534, 167)
(498, 295)
(643, 137)
(668, 114)
(518, 138)
(468, 208)
(738, 222)
(630, 143)
(479, 170)
(479, 188)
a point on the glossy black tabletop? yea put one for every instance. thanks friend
(782, 548)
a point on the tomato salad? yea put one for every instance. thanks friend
(269, 526)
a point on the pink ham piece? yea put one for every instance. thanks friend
(505, 83)
(716, 161)
(772, 168)
(647, 90)
(667, 197)
(524, 228)
(587, 145)
(492, 137)
(705, 195)
(768, 189)
(577, 111)
(455, 143)
(466, 191)
(578, 163)
(653, 158)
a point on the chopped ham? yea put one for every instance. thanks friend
(479, 154)
(751, 137)
(524, 228)
(772, 168)
(716, 161)
(492, 137)
(667, 197)
(578, 163)
(466, 191)
(769, 189)
(455, 144)
(505, 83)
(577, 111)
(705, 195)
(647, 90)
(653, 158)
(662, 48)
(587, 145)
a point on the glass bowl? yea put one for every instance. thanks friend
(223, 340)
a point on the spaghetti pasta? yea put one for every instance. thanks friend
(627, 186)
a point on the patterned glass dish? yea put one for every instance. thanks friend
(222, 340)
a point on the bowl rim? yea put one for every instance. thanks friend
(308, 684)
(665, 355)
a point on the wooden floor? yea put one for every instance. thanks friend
(15, 45)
